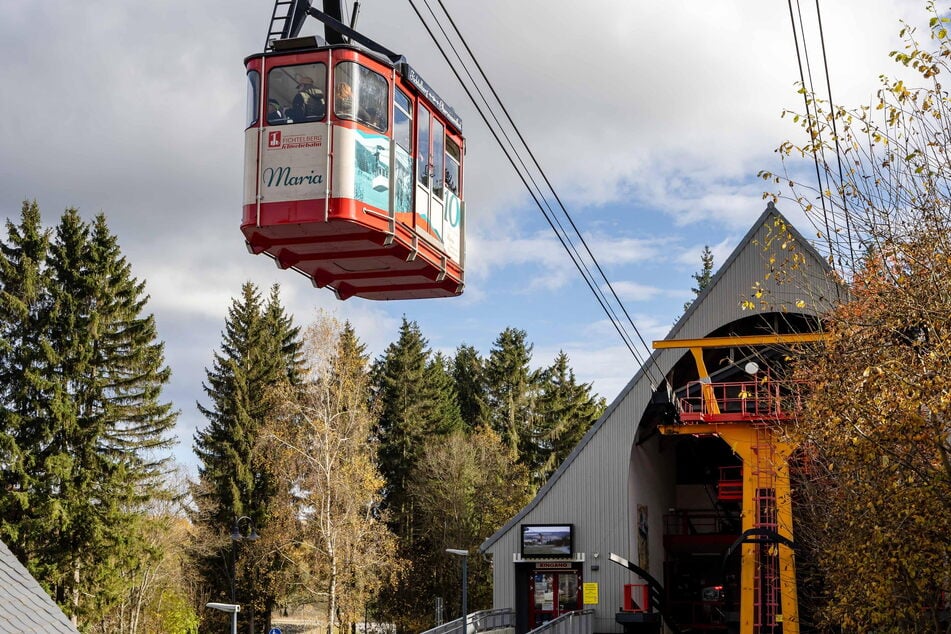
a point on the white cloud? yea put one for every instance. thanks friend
(637, 292)
(650, 119)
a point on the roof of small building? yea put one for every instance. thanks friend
(25, 608)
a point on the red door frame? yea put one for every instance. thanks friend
(557, 600)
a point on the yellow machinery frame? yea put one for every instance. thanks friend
(744, 439)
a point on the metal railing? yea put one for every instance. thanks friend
(761, 398)
(577, 622)
(481, 621)
(686, 522)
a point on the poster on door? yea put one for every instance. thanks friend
(362, 167)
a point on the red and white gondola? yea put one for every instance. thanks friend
(353, 172)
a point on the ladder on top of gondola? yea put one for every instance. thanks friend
(280, 21)
(288, 17)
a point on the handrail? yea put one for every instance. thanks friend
(481, 621)
(577, 622)
(746, 399)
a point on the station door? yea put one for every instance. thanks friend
(551, 594)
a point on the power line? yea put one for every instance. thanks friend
(546, 209)
(538, 166)
(835, 134)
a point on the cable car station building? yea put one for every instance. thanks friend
(674, 510)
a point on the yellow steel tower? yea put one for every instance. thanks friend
(751, 417)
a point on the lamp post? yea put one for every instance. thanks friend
(465, 585)
(237, 535)
(231, 608)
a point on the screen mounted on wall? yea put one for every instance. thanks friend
(547, 540)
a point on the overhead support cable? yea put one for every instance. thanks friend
(842, 258)
(835, 133)
(542, 172)
(531, 175)
(812, 118)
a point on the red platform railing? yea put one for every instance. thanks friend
(760, 399)
(730, 485)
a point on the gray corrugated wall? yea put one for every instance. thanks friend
(600, 486)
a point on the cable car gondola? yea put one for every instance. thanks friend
(353, 164)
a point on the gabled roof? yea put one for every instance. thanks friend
(764, 217)
(823, 301)
(25, 608)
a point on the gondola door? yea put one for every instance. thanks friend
(551, 595)
(430, 174)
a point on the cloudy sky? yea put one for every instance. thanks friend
(650, 118)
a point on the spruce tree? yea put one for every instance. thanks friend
(107, 380)
(512, 387)
(406, 417)
(286, 337)
(415, 402)
(24, 419)
(445, 403)
(100, 434)
(260, 350)
(704, 275)
(566, 410)
(468, 373)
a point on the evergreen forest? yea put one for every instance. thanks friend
(329, 483)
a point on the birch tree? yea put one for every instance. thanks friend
(321, 435)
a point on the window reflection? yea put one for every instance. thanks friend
(567, 593)
(361, 95)
(403, 135)
(403, 121)
(453, 156)
(422, 157)
(254, 87)
(439, 158)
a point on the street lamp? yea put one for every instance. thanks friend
(237, 535)
(465, 585)
(231, 608)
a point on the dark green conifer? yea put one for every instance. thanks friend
(107, 380)
(512, 387)
(260, 349)
(469, 376)
(24, 417)
(405, 406)
(416, 402)
(445, 402)
(99, 433)
(351, 360)
(566, 410)
(704, 275)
